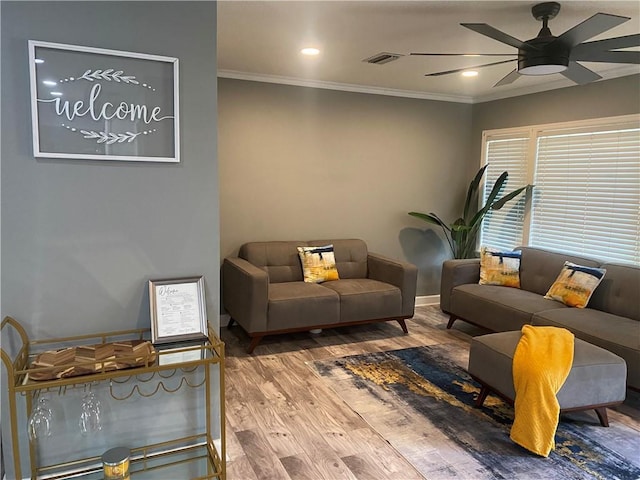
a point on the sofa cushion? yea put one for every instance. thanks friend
(498, 308)
(575, 284)
(499, 268)
(618, 291)
(300, 304)
(619, 335)
(318, 264)
(351, 256)
(540, 268)
(366, 299)
(279, 259)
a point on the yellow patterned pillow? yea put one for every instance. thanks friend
(575, 284)
(318, 264)
(499, 268)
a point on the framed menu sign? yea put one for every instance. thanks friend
(178, 310)
(98, 104)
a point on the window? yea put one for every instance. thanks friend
(586, 199)
(503, 228)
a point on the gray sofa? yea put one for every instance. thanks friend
(263, 289)
(611, 319)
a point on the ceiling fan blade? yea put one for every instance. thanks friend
(580, 74)
(608, 44)
(465, 54)
(447, 72)
(489, 31)
(598, 23)
(607, 57)
(509, 78)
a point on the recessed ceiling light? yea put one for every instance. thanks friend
(39, 60)
(57, 94)
(469, 73)
(310, 51)
(49, 83)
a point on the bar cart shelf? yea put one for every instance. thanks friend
(199, 452)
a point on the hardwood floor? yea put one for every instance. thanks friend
(284, 423)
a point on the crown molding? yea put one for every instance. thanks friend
(562, 82)
(346, 87)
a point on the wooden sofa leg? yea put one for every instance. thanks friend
(231, 322)
(602, 416)
(403, 325)
(452, 318)
(254, 343)
(482, 396)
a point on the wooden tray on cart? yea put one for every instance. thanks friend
(89, 359)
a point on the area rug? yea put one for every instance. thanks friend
(421, 402)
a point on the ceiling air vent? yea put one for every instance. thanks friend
(382, 58)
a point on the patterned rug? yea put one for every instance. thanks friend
(421, 402)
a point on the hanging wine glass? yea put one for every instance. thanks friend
(40, 420)
(91, 414)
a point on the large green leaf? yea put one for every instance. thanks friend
(458, 229)
(430, 218)
(477, 218)
(433, 218)
(463, 232)
(498, 204)
(472, 192)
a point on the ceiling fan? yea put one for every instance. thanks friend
(547, 54)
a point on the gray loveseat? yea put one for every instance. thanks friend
(611, 319)
(263, 289)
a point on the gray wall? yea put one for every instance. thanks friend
(608, 98)
(300, 163)
(80, 239)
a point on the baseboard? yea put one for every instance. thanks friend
(420, 301)
(428, 300)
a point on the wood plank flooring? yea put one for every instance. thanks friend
(283, 422)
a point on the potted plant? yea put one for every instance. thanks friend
(462, 234)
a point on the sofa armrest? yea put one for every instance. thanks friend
(403, 275)
(245, 293)
(457, 272)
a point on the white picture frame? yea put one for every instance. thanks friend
(98, 104)
(178, 310)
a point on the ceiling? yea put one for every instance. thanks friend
(261, 40)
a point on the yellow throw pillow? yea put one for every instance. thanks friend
(575, 284)
(499, 268)
(318, 264)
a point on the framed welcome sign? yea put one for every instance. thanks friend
(178, 310)
(98, 104)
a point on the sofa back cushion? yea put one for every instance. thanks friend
(279, 259)
(618, 292)
(540, 268)
(351, 256)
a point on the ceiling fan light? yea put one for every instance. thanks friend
(542, 69)
(543, 56)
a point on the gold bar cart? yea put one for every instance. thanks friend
(159, 460)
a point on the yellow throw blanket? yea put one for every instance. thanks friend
(541, 364)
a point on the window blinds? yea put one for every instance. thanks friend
(587, 194)
(503, 229)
